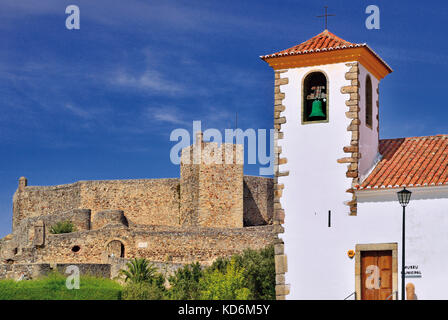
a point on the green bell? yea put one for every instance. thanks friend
(316, 109)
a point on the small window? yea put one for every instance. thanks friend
(76, 248)
(369, 97)
(315, 98)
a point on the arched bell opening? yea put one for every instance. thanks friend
(315, 98)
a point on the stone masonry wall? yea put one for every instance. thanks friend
(31, 201)
(144, 201)
(258, 200)
(211, 185)
(24, 235)
(189, 192)
(155, 243)
(35, 270)
(151, 201)
(354, 155)
(281, 265)
(221, 192)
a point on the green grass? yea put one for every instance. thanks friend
(250, 275)
(52, 287)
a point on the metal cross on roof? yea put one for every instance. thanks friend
(325, 16)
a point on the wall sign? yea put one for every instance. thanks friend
(412, 271)
(142, 245)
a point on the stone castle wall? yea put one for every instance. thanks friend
(212, 184)
(211, 192)
(148, 201)
(145, 201)
(155, 243)
(221, 189)
(24, 234)
(211, 211)
(154, 201)
(32, 201)
(258, 200)
(34, 270)
(189, 196)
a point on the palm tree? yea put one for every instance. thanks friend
(139, 270)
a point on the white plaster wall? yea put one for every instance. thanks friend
(368, 137)
(426, 234)
(316, 182)
(322, 269)
(318, 265)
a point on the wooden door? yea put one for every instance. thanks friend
(376, 275)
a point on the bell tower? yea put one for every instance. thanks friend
(327, 135)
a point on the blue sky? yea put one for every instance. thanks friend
(101, 102)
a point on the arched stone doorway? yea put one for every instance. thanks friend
(115, 249)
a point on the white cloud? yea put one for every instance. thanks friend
(414, 56)
(149, 80)
(170, 115)
(78, 111)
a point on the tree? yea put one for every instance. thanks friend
(259, 271)
(216, 285)
(139, 270)
(185, 282)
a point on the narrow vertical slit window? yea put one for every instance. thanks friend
(369, 98)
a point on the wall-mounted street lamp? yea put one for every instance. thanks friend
(403, 197)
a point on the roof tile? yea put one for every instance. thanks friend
(416, 161)
(324, 40)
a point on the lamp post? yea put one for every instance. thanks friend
(403, 197)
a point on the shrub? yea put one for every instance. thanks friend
(185, 282)
(63, 227)
(258, 270)
(139, 270)
(143, 291)
(216, 285)
(257, 281)
(145, 283)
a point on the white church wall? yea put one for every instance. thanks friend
(316, 182)
(318, 264)
(426, 233)
(368, 137)
(319, 267)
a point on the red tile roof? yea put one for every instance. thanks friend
(410, 162)
(324, 41)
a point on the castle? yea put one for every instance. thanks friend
(212, 210)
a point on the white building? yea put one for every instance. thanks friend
(340, 181)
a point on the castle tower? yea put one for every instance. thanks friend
(211, 185)
(327, 125)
